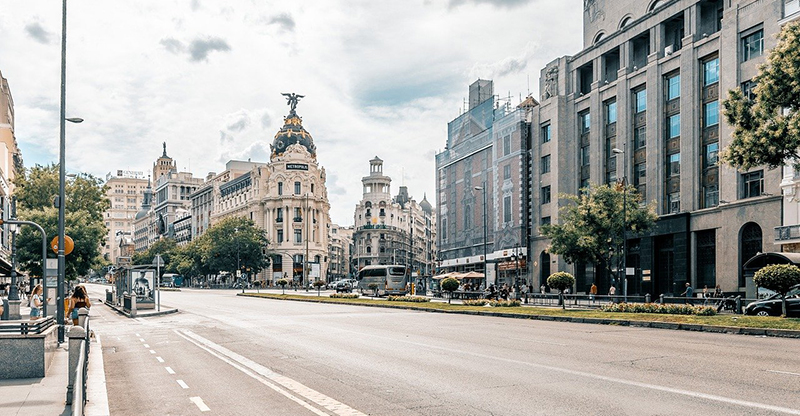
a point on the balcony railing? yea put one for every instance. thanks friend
(298, 219)
(279, 219)
(787, 233)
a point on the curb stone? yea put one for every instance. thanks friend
(781, 333)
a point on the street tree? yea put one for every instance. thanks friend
(591, 225)
(38, 187)
(780, 278)
(766, 130)
(561, 281)
(188, 260)
(87, 234)
(167, 248)
(282, 283)
(318, 284)
(450, 285)
(235, 243)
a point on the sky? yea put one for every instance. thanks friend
(380, 78)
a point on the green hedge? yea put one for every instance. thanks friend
(417, 299)
(668, 309)
(344, 295)
(494, 303)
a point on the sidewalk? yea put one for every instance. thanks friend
(38, 396)
(143, 313)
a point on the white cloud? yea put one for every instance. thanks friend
(379, 78)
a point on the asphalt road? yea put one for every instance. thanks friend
(229, 355)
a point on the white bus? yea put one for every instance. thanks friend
(390, 279)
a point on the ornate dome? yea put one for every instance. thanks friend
(292, 131)
(425, 205)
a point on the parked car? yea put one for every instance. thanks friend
(344, 286)
(771, 306)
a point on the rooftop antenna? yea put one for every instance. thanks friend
(529, 84)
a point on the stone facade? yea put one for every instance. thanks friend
(487, 148)
(125, 194)
(340, 249)
(10, 165)
(650, 81)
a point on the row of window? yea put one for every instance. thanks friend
(297, 188)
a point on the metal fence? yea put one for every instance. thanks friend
(27, 327)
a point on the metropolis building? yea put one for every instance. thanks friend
(649, 83)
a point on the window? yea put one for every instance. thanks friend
(674, 126)
(790, 7)
(711, 155)
(444, 229)
(298, 236)
(586, 122)
(753, 184)
(280, 188)
(706, 258)
(711, 114)
(674, 203)
(674, 165)
(506, 145)
(280, 236)
(749, 89)
(312, 188)
(673, 87)
(710, 72)
(640, 101)
(711, 196)
(753, 45)
(545, 221)
(279, 213)
(297, 188)
(611, 112)
(507, 208)
(546, 194)
(585, 156)
(507, 172)
(640, 137)
(546, 133)
(545, 164)
(639, 174)
(750, 244)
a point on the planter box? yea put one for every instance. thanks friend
(27, 356)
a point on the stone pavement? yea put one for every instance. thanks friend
(38, 396)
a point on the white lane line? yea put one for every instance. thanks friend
(161, 360)
(783, 372)
(152, 351)
(266, 376)
(182, 384)
(169, 370)
(141, 339)
(138, 335)
(199, 402)
(146, 345)
(689, 393)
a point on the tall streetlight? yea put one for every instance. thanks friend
(485, 233)
(61, 174)
(624, 220)
(305, 257)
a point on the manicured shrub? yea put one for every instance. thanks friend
(344, 295)
(668, 309)
(416, 299)
(476, 302)
(780, 278)
(450, 285)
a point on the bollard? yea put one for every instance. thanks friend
(133, 306)
(738, 305)
(526, 298)
(647, 298)
(661, 298)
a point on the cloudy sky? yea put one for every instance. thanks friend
(380, 78)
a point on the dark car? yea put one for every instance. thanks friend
(771, 306)
(343, 286)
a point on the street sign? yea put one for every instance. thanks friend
(630, 271)
(69, 245)
(158, 261)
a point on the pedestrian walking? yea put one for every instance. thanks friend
(612, 292)
(36, 303)
(79, 299)
(718, 292)
(592, 292)
(688, 292)
(705, 294)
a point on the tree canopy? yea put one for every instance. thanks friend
(591, 225)
(767, 129)
(85, 204)
(778, 277)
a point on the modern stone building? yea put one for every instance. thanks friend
(392, 230)
(10, 166)
(486, 151)
(340, 249)
(145, 224)
(649, 82)
(125, 194)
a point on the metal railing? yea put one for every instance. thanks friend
(27, 327)
(79, 394)
(787, 232)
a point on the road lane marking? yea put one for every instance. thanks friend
(152, 351)
(783, 372)
(711, 397)
(182, 384)
(161, 360)
(199, 402)
(267, 377)
(138, 335)
(141, 339)
(146, 346)
(169, 370)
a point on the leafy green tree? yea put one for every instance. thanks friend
(189, 261)
(282, 283)
(318, 284)
(167, 248)
(86, 233)
(591, 225)
(38, 187)
(561, 281)
(235, 243)
(767, 129)
(450, 285)
(780, 278)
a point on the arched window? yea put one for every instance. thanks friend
(544, 267)
(749, 245)
(598, 37)
(625, 21)
(656, 4)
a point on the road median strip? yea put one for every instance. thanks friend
(731, 324)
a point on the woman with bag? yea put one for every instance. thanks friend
(79, 299)
(36, 303)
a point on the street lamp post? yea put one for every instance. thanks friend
(624, 220)
(305, 257)
(485, 233)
